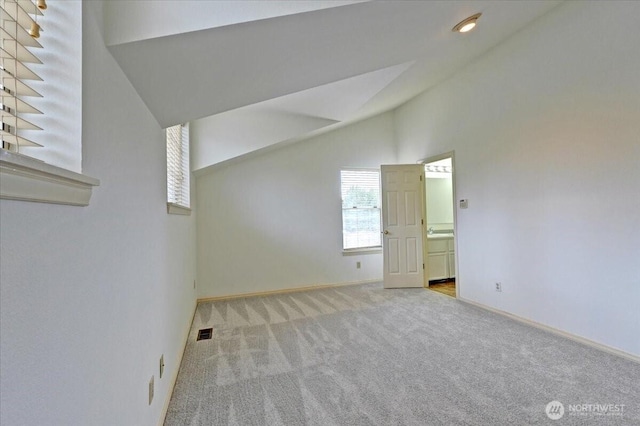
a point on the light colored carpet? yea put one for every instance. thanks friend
(362, 355)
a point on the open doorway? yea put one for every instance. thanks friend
(440, 230)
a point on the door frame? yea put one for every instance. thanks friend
(425, 250)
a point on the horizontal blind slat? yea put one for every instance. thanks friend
(16, 104)
(15, 11)
(20, 34)
(17, 68)
(12, 120)
(17, 140)
(30, 7)
(16, 50)
(17, 86)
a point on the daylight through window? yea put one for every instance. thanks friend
(360, 208)
(178, 187)
(18, 35)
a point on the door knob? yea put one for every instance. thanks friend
(386, 232)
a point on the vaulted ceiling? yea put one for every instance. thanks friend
(250, 74)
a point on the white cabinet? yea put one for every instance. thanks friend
(452, 258)
(441, 257)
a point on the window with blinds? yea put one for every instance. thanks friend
(178, 187)
(360, 208)
(18, 34)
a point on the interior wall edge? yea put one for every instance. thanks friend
(597, 345)
(285, 290)
(178, 363)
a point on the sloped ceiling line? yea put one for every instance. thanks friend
(281, 60)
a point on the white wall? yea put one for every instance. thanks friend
(235, 133)
(545, 129)
(440, 203)
(91, 297)
(274, 221)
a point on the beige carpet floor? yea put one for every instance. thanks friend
(362, 355)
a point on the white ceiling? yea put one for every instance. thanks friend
(336, 62)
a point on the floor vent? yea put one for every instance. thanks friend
(205, 333)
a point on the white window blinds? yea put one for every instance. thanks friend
(18, 34)
(360, 208)
(178, 165)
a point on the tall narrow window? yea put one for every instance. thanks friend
(360, 208)
(178, 187)
(20, 29)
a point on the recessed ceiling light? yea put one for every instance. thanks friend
(467, 24)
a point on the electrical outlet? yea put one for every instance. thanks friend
(357, 265)
(194, 284)
(498, 286)
(150, 390)
(161, 365)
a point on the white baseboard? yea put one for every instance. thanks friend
(567, 335)
(286, 290)
(174, 376)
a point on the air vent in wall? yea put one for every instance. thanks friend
(205, 333)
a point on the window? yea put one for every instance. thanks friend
(20, 32)
(178, 187)
(41, 87)
(360, 208)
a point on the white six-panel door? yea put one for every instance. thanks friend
(402, 225)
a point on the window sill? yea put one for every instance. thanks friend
(359, 251)
(178, 209)
(24, 178)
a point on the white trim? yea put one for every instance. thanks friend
(287, 290)
(363, 250)
(24, 178)
(452, 155)
(567, 335)
(438, 157)
(178, 209)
